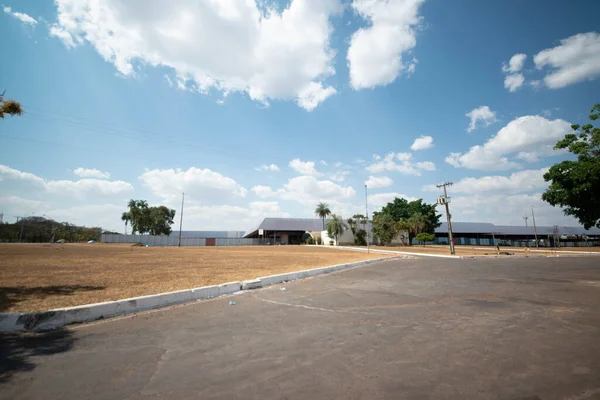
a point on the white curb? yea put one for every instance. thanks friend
(46, 320)
(405, 253)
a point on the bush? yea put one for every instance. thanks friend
(425, 237)
(319, 240)
(309, 240)
(331, 242)
(360, 237)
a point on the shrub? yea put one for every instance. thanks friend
(331, 242)
(360, 237)
(319, 240)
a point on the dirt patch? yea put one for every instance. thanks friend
(42, 277)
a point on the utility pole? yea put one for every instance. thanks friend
(181, 219)
(367, 216)
(445, 201)
(526, 218)
(537, 245)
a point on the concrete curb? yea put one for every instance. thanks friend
(403, 253)
(46, 320)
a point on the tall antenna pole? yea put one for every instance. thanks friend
(367, 216)
(537, 245)
(526, 218)
(445, 201)
(181, 219)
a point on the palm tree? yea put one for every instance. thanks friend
(322, 211)
(335, 227)
(417, 223)
(126, 216)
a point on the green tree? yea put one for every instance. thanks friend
(385, 228)
(9, 107)
(161, 219)
(322, 211)
(425, 237)
(402, 209)
(335, 227)
(126, 217)
(575, 185)
(358, 233)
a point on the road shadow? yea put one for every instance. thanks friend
(18, 351)
(10, 296)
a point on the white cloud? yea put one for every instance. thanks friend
(515, 64)
(405, 166)
(272, 168)
(228, 217)
(518, 182)
(379, 200)
(339, 176)
(324, 163)
(228, 46)
(304, 167)
(199, 185)
(422, 143)
(26, 19)
(576, 59)
(481, 114)
(513, 82)
(531, 136)
(91, 173)
(307, 190)
(375, 55)
(375, 182)
(14, 179)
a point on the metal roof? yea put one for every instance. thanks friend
(487, 228)
(208, 234)
(289, 224)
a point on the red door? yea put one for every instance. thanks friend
(211, 241)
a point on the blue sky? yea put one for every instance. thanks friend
(147, 99)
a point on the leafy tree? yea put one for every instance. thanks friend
(385, 228)
(9, 107)
(358, 233)
(575, 185)
(402, 209)
(417, 223)
(322, 211)
(335, 227)
(161, 219)
(126, 217)
(425, 237)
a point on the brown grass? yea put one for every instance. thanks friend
(41, 277)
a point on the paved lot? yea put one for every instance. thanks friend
(411, 328)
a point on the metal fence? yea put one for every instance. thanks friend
(150, 240)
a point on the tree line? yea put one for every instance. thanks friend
(398, 219)
(44, 230)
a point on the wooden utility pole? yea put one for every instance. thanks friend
(181, 219)
(445, 201)
(537, 245)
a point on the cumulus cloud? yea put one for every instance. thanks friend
(576, 59)
(518, 182)
(422, 143)
(91, 173)
(376, 53)
(14, 180)
(513, 82)
(272, 168)
(527, 138)
(304, 167)
(375, 182)
(479, 116)
(306, 190)
(200, 185)
(400, 162)
(515, 64)
(227, 46)
(339, 176)
(26, 19)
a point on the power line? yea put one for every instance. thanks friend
(445, 200)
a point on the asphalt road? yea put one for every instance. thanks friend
(403, 329)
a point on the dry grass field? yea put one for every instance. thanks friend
(41, 277)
